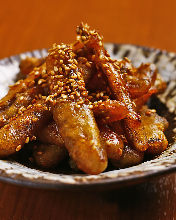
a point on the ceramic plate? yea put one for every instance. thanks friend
(15, 172)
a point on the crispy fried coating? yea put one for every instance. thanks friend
(21, 129)
(48, 155)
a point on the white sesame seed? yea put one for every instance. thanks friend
(55, 69)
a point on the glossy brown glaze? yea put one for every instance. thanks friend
(81, 136)
(130, 157)
(112, 142)
(50, 135)
(22, 129)
(22, 101)
(48, 155)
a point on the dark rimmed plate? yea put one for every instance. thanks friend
(14, 172)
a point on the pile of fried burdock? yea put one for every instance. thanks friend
(81, 104)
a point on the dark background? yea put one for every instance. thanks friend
(28, 25)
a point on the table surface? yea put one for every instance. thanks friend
(28, 25)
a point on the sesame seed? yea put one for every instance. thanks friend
(59, 76)
(55, 68)
(83, 38)
(67, 68)
(72, 96)
(78, 106)
(44, 71)
(64, 96)
(74, 76)
(37, 73)
(70, 61)
(88, 64)
(18, 148)
(27, 140)
(55, 87)
(41, 81)
(59, 83)
(52, 72)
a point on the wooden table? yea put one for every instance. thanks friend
(37, 24)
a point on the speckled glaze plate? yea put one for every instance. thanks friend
(14, 172)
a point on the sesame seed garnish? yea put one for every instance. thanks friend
(55, 87)
(18, 148)
(55, 68)
(37, 73)
(27, 140)
(63, 96)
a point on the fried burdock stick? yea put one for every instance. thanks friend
(92, 40)
(130, 157)
(71, 113)
(110, 111)
(22, 128)
(140, 101)
(21, 102)
(22, 85)
(52, 150)
(48, 155)
(139, 80)
(154, 127)
(112, 142)
(110, 139)
(50, 135)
